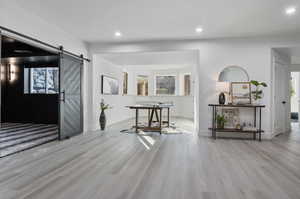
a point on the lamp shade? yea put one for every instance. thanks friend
(222, 86)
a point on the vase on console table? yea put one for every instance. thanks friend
(256, 101)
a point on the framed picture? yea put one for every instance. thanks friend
(125, 83)
(240, 92)
(109, 85)
(232, 117)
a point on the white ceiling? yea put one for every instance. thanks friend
(97, 20)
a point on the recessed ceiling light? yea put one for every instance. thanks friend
(199, 30)
(118, 34)
(290, 10)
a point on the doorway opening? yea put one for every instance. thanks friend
(286, 91)
(163, 79)
(29, 96)
(294, 93)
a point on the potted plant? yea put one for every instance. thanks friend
(257, 94)
(221, 121)
(102, 119)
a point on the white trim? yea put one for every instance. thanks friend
(276, 58)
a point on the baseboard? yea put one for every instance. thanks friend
(265, 135)
(274, 134)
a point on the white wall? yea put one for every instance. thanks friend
(255, 59)
(133, 73)
(253, 54)
(15, 17)
(119, 112)
(183, 104)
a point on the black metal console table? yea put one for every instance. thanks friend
(214, 129)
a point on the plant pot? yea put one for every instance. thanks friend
(102, 120)
(220, 125)
(256, 101)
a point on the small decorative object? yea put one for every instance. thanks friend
(223, 88)
(241, 92)
(238, 126)
(232, 116)
(250, 128)
(109, 85)
(102, 119)
(257, 94)
(222, 98)
(221, 121)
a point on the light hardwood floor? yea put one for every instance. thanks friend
(114, 165)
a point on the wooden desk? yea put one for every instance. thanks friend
(255, 108)
(155, 109)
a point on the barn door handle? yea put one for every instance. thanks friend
(62, 96)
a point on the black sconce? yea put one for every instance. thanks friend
(10, 73)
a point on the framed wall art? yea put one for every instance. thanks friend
(109, 85)
(232, 117)
(240, 92)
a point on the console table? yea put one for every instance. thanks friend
(256, 108)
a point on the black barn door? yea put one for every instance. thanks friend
(1, 76)
(71, 115)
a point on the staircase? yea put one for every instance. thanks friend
(17, 137)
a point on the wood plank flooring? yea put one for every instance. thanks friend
(114, 165)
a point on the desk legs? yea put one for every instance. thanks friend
(213, 129)
(160, 120)
(254, 123)
(156, 115)
(151, 117)
(168, 117)
(136, 120)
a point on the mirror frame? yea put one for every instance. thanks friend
(234, 66)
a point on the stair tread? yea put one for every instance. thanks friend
(27, 132)
(27, 145)
(27, 139)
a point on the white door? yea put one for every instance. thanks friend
(297, 90)
(281, 98)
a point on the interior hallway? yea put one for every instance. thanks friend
(117, 165)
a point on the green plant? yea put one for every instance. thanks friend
(221, 121)
(104, 106)
(258, 93)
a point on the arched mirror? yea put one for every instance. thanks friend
(233, 74)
